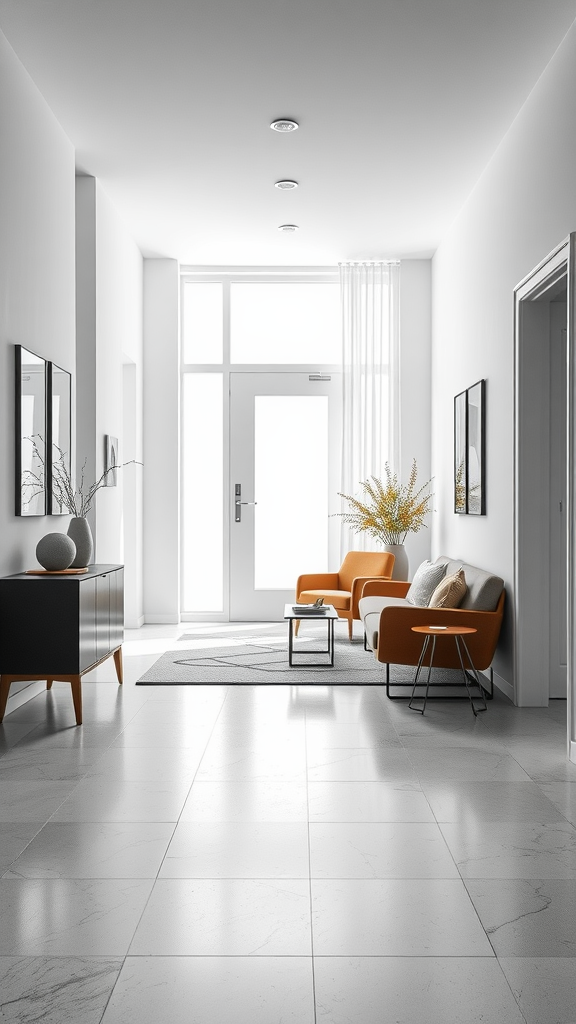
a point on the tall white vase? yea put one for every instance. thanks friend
(80, 532)
(400, 571)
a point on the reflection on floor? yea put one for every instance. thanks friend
(281, 855)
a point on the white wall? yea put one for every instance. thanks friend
(522, 207)
(36, 272)
(161, 441)
(415, 388)
(110, 333)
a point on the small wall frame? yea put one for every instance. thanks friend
(469, 451)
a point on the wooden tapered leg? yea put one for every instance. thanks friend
(296, 626)
(350, 628)
(76, 684)
(49, 684)
(118, 664)
(5, 683)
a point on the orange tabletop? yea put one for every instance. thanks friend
(444, 630)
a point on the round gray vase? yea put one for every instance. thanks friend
(400, 570)
(80, 532)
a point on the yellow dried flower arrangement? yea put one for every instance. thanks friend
(390, 510)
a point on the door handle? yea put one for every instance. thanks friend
(238, 503)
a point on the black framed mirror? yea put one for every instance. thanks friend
(30, 448)
(469, 450)
(59, 437)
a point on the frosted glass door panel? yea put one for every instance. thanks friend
(285, 323)
(290, 488)
(285, 457)
(202, 497)
(202, 322)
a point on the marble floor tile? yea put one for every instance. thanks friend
(352, 764)
(11, 734)
(517, 850)
(545, 988)
(527, 917)
(413, 990)
(322, 735)
(95, 850)
(70, 917)
(237, 850)
(14, 838)
(213, 990)
(32, 801)
(146, 764)
(98, 800)
(246, 801)
(367, 801)
(97, 735)
(56, 989)
(225, 917)
(379, 850)
(45, 765)
(466, 765)
(563, 796)
(395, 917)
(285, 762)
(179, 734)
(473, 802)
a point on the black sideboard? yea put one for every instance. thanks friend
(58, 627)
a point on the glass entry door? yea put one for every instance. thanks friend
(284, 463)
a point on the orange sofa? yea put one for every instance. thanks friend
(388, 619)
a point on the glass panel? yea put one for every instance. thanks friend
(201, 323)
(202, 493)
(285, 323)
(291, 488)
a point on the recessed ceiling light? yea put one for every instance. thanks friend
(286, 184)
(284, 124)
(287, 227)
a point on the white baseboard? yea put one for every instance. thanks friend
(163, 620)
(503, 685)
(134, 623)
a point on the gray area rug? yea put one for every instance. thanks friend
(261, 657)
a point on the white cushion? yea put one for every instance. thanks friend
(426, 578)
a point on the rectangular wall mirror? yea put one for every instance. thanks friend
(469, 451)
(59, 437)
(30, 448)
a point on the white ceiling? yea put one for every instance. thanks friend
(401, 104)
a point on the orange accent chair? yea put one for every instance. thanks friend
(343, 589)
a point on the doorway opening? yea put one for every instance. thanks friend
(260, 370)
(544, 484)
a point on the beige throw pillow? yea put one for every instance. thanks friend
(450, 592)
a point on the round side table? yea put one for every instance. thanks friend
(431, 634)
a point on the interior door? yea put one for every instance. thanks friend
(558, 531)
(284, 462)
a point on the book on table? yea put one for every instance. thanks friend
(309, 609)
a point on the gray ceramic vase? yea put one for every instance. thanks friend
(80, 532)
(55, 551)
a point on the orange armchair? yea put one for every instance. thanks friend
(343, 589)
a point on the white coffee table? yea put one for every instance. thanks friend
(329, 615)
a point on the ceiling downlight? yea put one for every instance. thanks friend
(288, 227)
(284, 124)
(286, 184)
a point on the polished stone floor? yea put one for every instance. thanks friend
(283, 855)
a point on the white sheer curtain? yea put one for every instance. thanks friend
(371, 394)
